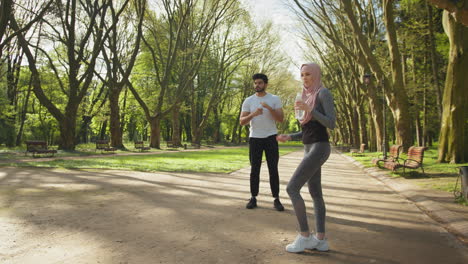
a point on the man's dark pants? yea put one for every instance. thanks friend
(256, 148)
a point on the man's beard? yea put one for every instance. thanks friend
(259, 90)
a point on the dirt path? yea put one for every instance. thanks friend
(107, 216)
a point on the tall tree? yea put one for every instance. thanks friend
(225, 57)
(6, 13)
(397, 96)
(120, 52)
(330, 23)
(177, 42)
(397, 100)
(82, 45)
(453, 136)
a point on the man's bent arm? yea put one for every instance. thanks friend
(245, 118)
(277, 114)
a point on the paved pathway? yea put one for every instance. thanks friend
(439, 205)
(107, 216)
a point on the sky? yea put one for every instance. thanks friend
(284, 19)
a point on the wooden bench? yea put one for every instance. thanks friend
(192, 146)
(414, 160)
(394, 155)
(141, 146)
(359, 151)
(38, 147)
(103, 145)
(210, 143)
(171, 144)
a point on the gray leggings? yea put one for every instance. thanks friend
(309, 170)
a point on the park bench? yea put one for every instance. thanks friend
(359, 151)
(192, 146)
(413, 161)
(141, 146)
(393, 156)
(38, 147)
(210, 143)
(171, 144)
(103, 145)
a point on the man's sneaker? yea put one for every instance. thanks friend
(302, 243)
(252, 203)
(278, 205)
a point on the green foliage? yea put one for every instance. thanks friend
(40, 126)
(7, 118)
(442, 45)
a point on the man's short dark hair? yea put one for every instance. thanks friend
(260, 76)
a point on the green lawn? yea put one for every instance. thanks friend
(81, 150)
(438, 176)
(211, 160)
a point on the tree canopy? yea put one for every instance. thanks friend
(75, 71)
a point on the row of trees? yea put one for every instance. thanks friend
(179, 70)
(413, 64)
(95, 68)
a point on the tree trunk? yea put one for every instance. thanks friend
(187, 127)
(4, 17)
(103, 130)
(115, 125)
(452, 143)
(122, 116)
(399, 105)
(376, 114)
(372, 135)
(22, 116)
(217, 126)
(418, 129)
(235, 130)
(176, 125)
(435, 69)
(155, 133)
(82, 135)
(67, 130)
(355, 126)
(363, 126)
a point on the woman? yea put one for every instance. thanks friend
(317, 102)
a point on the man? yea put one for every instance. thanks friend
(262, 110)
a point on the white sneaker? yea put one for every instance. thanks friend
(321, 245)
(301, 243)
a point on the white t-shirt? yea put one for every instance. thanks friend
(263, 125)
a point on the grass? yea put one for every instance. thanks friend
(438, 176)
(211, 160)
(81, 150)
